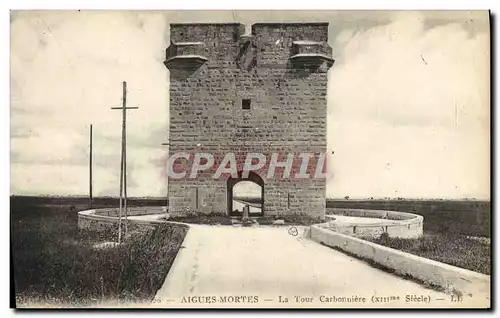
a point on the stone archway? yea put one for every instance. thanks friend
(231, 182)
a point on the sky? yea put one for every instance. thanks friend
(408, 100)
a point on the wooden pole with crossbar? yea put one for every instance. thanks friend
(123, 163)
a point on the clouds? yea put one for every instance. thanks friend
(406, 106)
(67, 71)
(408, 100)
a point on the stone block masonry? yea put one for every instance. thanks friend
(263, 93)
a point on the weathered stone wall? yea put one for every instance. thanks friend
(132, 211)
(287, 113)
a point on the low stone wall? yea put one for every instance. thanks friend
(131, 211)
(451, 278)
(379, 214)
(395, 224)
(99, 218)
(90, 220)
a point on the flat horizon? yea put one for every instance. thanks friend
(328, 198)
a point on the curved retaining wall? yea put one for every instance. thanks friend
(108, 217)
(470, 284)
(394, 223)
(132, 211)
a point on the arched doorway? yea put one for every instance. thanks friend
(241, 191)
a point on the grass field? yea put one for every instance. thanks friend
(453, 249)
(54, 263)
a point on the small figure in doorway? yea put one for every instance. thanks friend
(246, 212)
(246, 215)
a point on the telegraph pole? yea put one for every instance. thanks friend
(123, 162)
(90, 169)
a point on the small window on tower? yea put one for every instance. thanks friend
(245, 104)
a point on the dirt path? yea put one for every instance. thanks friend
(268, 262)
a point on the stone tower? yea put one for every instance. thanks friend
(260, 93)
